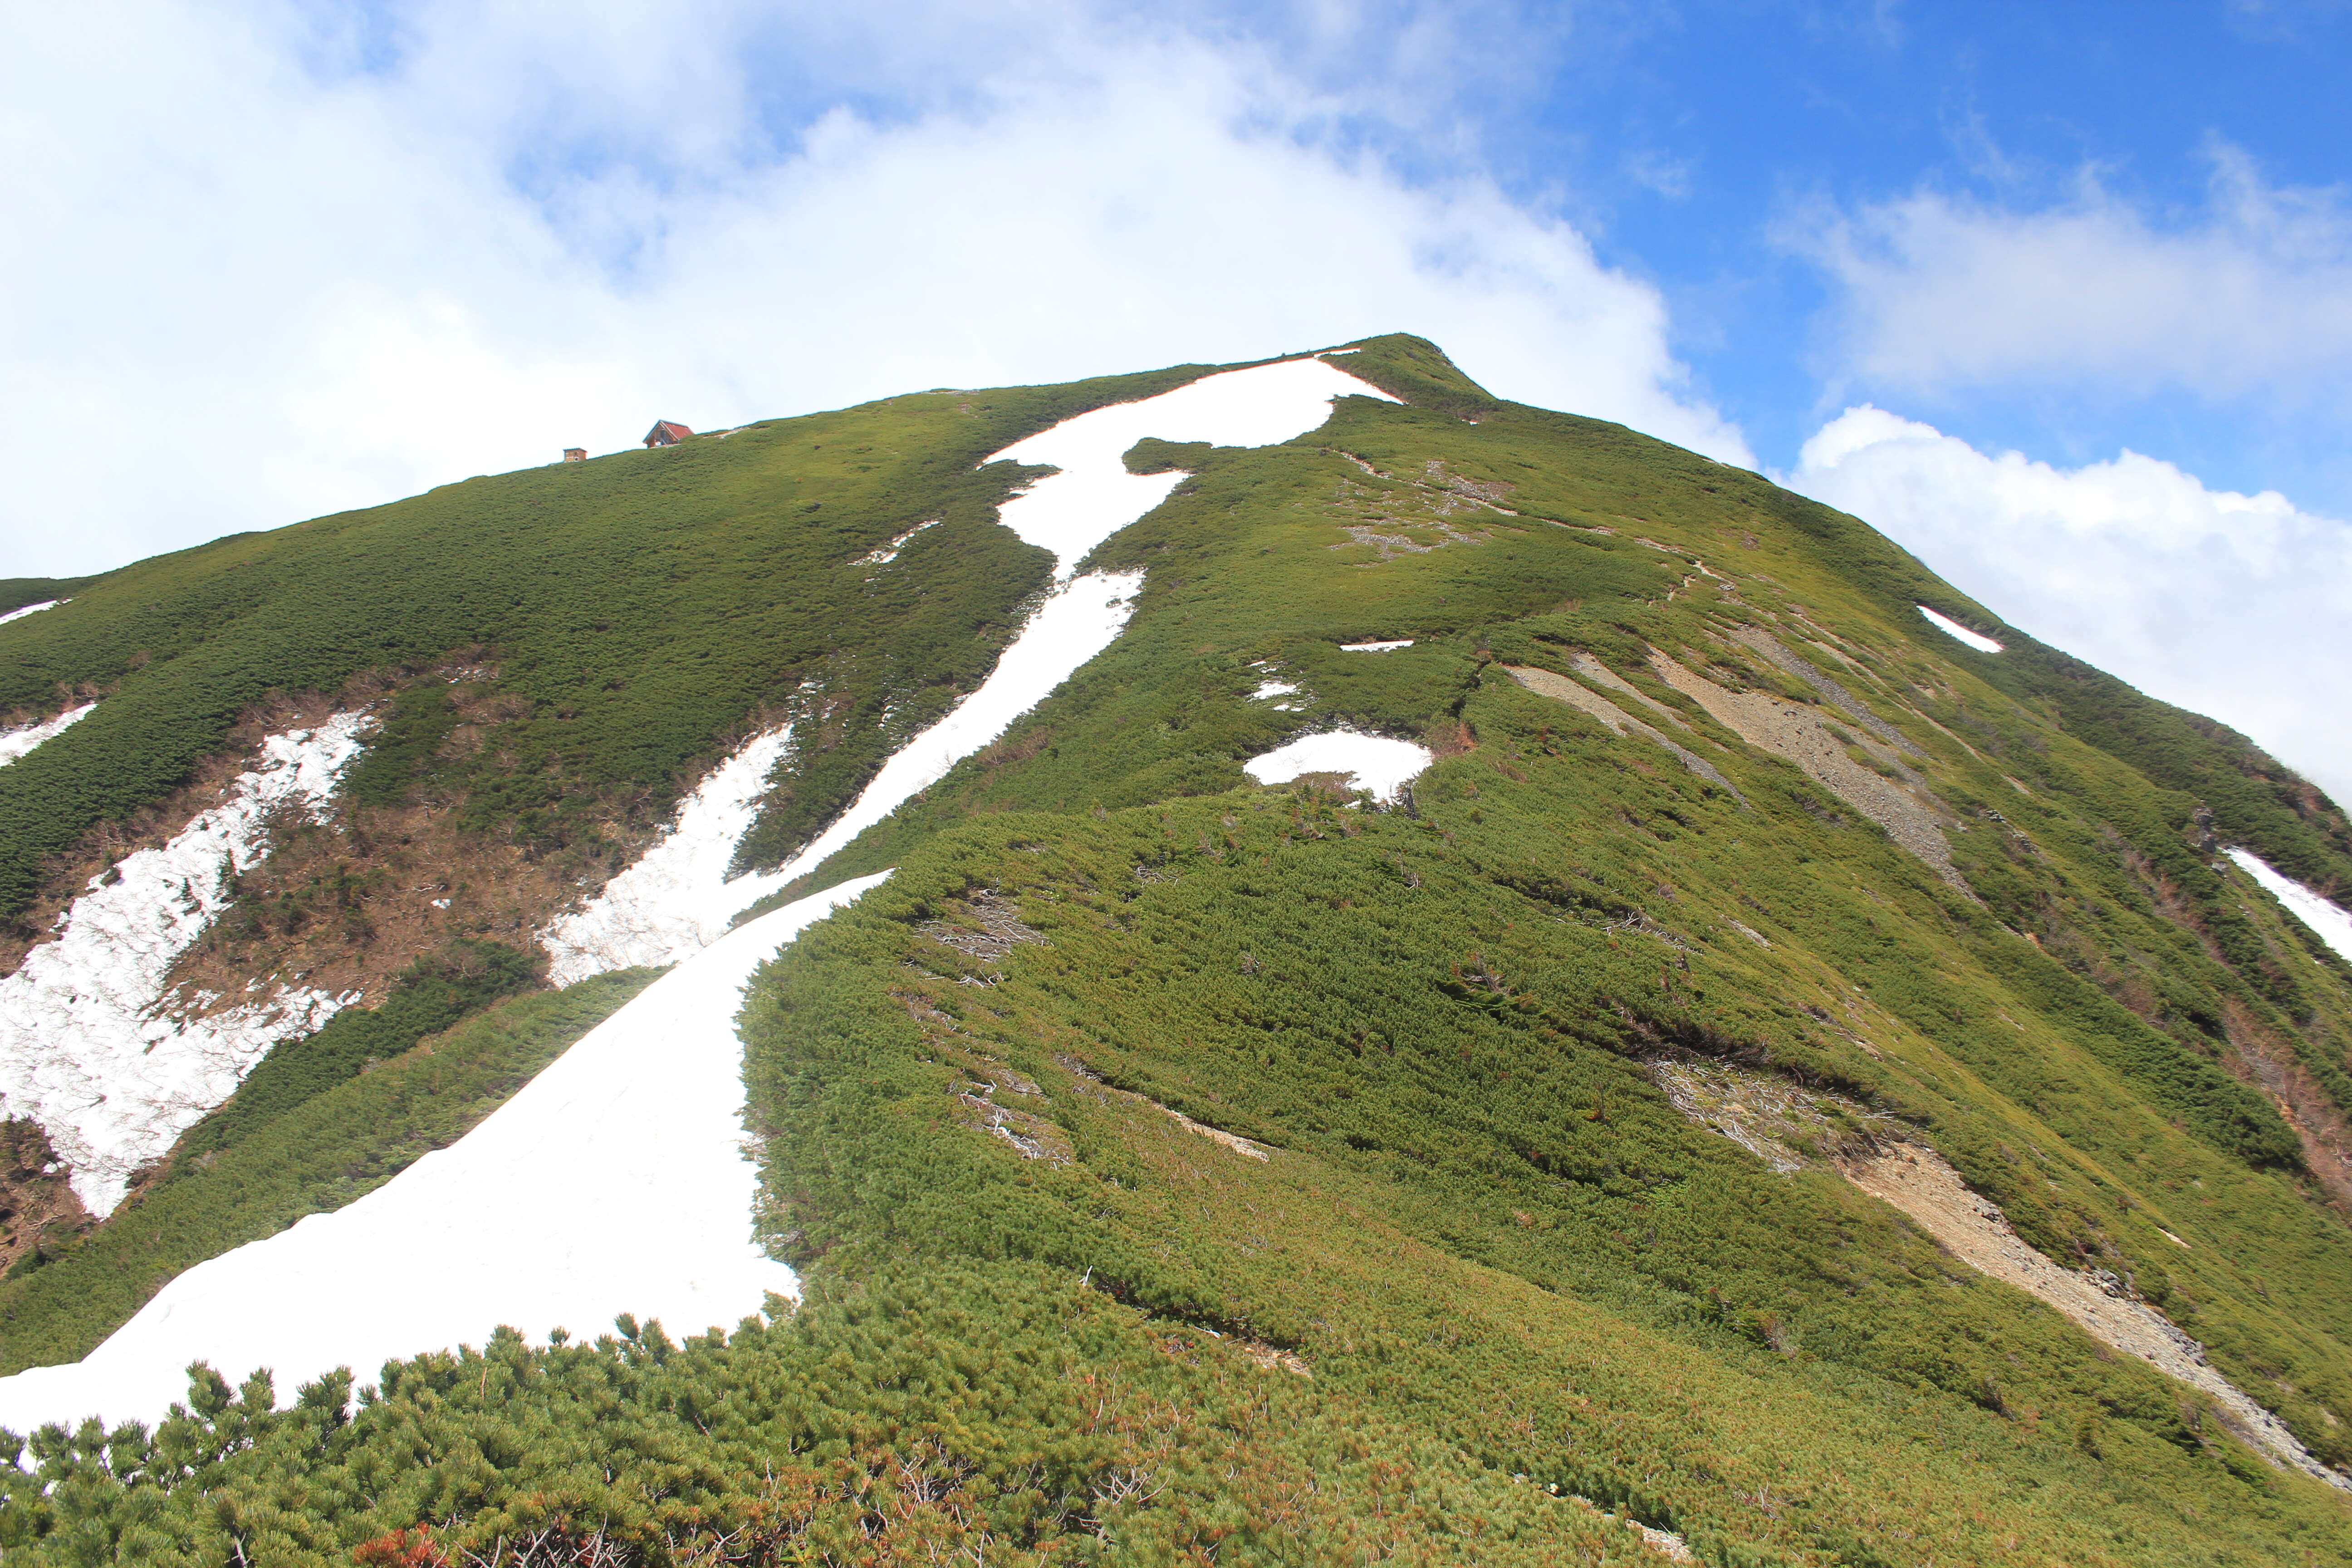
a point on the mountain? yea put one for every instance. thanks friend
(1275, 964)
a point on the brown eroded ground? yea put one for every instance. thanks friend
(1789, 1128)
(1413, 516)
(67, 876)
(1909, 813)
(1916, 1180)
(36, 1202)
(345, 905)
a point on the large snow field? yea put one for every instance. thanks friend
(14, 744)
(1379, 764)
(82, 1050)
(1069, 513)
(1094, 496)
(1976, 640)
(2330, 921)
(616, 1180)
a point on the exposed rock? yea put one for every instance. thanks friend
(1547, 683)
(1916, 1180)
(1909, 812)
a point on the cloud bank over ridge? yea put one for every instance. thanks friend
(284, 268)
(2225, 604)
(269, 258)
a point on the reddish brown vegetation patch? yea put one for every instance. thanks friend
(36, 1203)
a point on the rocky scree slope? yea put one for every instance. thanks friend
(1542, 1133)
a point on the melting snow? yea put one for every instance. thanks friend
(616, 1180)
(889, 553)
(623, 1156)
(20, 614)
(14, 744)
(1976, 640)
(1379, 764)
(1077, 622)
(1374, 647)
(2329, 920)
(1094, 496)
(675, 900)
(80, 1049)
(1272, 689)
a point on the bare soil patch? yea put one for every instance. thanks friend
(1902, 804)
(1916, 1180)
(1547, 683)
(36, 1201)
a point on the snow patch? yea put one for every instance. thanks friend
(81, 1048)
(634, 1133)
(1378, 765)
(675, 900)
(1272, 689)
(14, 744)
(1976, 640)
(1094, 496)
(616, 1180)
(1079, 620)
(2329, 919)
(18, 615)
(1375, 647)
(889, 553)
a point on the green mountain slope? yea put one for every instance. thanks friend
(630, 613)
(1182, 1169)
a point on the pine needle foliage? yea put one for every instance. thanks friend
(636, 608)
(1182, 1170)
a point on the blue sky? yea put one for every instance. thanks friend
(2059, 297)
(1766, 118)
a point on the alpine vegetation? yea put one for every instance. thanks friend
(136, 1077)
(1288, 963)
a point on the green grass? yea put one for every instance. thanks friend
(636, 610)
(428, 997)
(1496, 1244)
(1479, 1216)
(984, 1413)
(15, 593)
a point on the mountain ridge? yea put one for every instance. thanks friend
(1517, 1037)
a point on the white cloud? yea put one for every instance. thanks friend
(263, 269)
(2232, 606)
(2250, 295)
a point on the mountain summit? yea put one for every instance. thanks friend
(1272, 963)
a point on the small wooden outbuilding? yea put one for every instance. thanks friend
(666, 433)
(575, 454)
